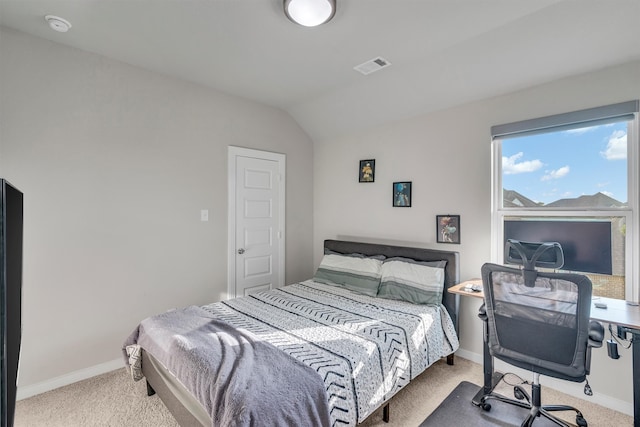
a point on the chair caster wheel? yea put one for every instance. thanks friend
(581, 421)
(486, 406)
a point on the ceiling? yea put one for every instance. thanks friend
(443, 52)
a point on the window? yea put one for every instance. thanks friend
(573, 178)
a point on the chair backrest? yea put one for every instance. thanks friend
(538, 321)
(534, 254)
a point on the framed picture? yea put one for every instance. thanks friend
(367, 170)
(448, 228)
(402, 194)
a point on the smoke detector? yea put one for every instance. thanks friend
(59, 24)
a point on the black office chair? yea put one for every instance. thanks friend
(537, 321)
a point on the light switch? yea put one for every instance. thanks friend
(204, 215)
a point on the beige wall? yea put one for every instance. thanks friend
(447, 155)
(116, 163)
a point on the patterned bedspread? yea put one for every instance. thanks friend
(364, 348)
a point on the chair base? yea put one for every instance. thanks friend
(532, 404)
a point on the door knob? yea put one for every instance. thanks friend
(240, 251)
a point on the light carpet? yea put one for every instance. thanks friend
(114, 400)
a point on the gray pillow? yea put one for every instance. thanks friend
(357, 274)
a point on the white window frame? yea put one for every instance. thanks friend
(631, 213)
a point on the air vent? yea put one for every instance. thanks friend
(372, 65)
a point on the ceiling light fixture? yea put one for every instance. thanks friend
(310, 13)
(59, 24)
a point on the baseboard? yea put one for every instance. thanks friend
(70, 378)
(558, 385)
(465, 354)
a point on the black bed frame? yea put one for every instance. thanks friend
(156, 384)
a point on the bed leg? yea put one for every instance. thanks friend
(150, 390)
(450, 359)
(385, 413)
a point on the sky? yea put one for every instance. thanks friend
(567, 164)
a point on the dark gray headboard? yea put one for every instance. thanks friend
(452, 270)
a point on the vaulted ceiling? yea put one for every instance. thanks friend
(443, 52)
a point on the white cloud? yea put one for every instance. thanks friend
(616, 147)
(511, 166)
(608, 193)
(555, 174)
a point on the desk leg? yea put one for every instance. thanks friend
(635, 351)
(491, 378)
(487, 362)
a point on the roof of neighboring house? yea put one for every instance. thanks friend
(513, 199)
(600, 200)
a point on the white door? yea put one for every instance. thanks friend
(256, 221)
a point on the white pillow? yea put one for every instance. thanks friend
(419, 284)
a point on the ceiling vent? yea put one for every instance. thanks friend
(372, 65)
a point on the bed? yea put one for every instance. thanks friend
(319, 352)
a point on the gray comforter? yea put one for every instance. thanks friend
(364, 349)
(240, 380)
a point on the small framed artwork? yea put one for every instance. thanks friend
(367, 170)
(402, 194)
(448, 228)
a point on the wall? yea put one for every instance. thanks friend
(447, 155)
(116, 163)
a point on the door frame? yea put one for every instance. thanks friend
(233, 153)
